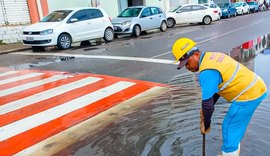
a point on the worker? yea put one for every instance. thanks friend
(220, 75)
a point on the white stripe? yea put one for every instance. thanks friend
(6, 108)
(141, 59)
(231, 78)
(8, 73)
(31, 85)
(39, 9)
(18, 78)
(30, 122)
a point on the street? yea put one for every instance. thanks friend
(145, 62)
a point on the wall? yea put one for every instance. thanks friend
(11, 34)
(159, 3)
(110, 6)
(59, 4)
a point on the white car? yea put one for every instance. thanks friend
(191, 13)
(66, 26)
(241, 8)
(215, 8)
(134, 20)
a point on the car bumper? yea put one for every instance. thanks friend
(39, 40)
(239, 11)
(119, 29)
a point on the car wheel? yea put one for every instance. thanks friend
(235, 14)
(170, 22)
(163, 26)
(136, 31)
(64, 41)
(242, 13)
(229, 15)
(207, 20)
(108, 35)
(37, 49)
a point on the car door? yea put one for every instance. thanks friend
(146, 19)
(78, 25)
(198, 12)
(157, 17)
(183, 15)
(96, 23)
(246, 7)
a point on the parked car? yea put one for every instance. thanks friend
(191, 13)
(214, 7)
(241, 8)
(228, 10)
(254, 6)
(66, 26)
(134, 20)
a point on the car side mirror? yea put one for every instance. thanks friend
(73, 20)
(143, 16)
(179, 11)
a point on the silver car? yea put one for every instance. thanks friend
(134, 20)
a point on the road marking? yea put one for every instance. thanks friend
(8, 73)
(212, 38)
(26, 76)
(12, 106)
(125, 58)
(43, 106)
(58, 111)
(30, 85)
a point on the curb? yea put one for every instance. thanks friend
(14, 50)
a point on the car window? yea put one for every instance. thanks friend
(130, 12)
(198, 7)
(81, 15)
(185, 9)
(146, 12)
(160, 11)
(154, 11)
(94, 13)
(56, 16)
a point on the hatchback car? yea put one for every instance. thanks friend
(134, 20)
(191, 13)
(228, 10)
(214, 7)
(254, 6)
(66, 26)
(241, 8)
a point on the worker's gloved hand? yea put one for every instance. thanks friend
(204, 128)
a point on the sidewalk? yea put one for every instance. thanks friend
(13, 47)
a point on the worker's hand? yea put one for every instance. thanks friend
(204, 130)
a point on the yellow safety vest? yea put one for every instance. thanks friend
(239, 83)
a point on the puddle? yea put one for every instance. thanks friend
(169, 125)
(43, 61)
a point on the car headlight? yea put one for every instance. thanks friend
(225, 10)
(126, 23)
(46, 32)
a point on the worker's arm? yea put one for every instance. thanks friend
(209, 81)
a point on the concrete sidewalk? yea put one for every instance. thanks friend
(13, 47)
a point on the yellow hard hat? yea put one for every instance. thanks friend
(181, 47)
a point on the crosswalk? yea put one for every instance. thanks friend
(36, 105)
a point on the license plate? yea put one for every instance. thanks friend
(29, 38)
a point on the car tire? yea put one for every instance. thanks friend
(163, 26)
(108, 34)
(207, 20)
(64, 41)
(37, 49)
(242, 13)
(235, 14)
(170, 22)
(136, 31)
(229, 15)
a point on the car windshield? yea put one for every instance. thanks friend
(238, 4)
(130, 12)
(251, 3)
(223, 5)
(175, 9)
(56, 16)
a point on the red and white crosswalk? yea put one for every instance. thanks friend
(35, 105)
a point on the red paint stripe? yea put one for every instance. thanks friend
(45, 8)
(52, 102)
(39, 89)
(33, 9)
(37, 134)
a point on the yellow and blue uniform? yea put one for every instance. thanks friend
(220, 74)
